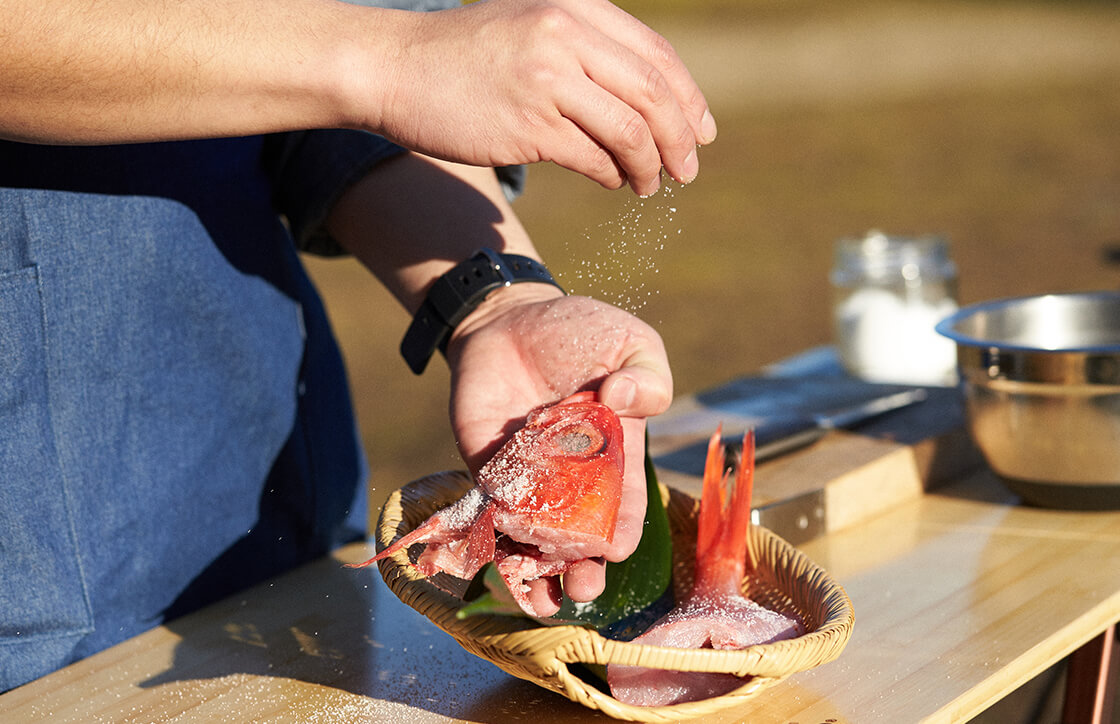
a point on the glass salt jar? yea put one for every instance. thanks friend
(889, 294)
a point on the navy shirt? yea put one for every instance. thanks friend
(174, 417)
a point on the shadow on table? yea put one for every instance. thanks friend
(333, 637)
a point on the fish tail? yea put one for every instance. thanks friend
(741, 503)
(722, 553)
(711, 497)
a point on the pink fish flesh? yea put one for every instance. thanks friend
(715, 614)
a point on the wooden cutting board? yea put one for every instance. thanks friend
(844, 478)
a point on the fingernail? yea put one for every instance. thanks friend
(646, 194)
(707, 128)
(690, 168)
(623, 394)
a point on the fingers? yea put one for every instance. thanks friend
(624, 104)
(642, 383)
(662, 109)
(611, 112)
(642, 388)
(582, 153)
(585, 580)
(638, 391)
(659, 53)
(544, 596)
(580, 83)
(632, 510)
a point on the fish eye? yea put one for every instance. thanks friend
(577, 440)
(574, 442)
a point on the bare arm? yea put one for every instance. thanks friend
(500, 82)
(526, 345)
(110, 71)
(413, 218)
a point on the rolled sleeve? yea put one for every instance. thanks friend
(310, 170)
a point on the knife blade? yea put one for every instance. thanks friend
(780, 436)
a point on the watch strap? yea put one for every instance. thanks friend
(458, 293)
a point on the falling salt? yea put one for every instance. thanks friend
(618, 273)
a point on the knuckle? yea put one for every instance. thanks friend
(537, 75)
(602, 168)
(684, 139)
(661, 52)
(655, 88)
(633, 134)
(551, 22)
(696, 99)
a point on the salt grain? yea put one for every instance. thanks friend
(615, 274)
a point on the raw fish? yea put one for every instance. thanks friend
(716, 614)
(551, 493)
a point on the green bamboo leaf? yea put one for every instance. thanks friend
(495, 597)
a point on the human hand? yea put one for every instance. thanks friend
(577, 82)
(527, 346)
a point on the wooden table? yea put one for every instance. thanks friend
(961, 595)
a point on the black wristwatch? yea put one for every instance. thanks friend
(458, 293)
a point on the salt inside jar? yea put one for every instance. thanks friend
(890, 293)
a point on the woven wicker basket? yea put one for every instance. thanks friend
(785, 581)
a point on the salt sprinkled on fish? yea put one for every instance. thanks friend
(548, 498)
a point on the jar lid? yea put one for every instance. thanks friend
(877, 256)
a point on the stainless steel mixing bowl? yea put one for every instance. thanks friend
(1041, 381)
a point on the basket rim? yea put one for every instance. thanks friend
(559, 646)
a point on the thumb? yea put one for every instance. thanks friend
(638, 390)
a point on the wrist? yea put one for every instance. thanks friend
(464, 291)
(503, 299)
(367, 64)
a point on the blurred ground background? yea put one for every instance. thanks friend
(995, 123)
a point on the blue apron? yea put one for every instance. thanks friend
(174, 417)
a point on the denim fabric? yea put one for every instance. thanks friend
(39, 570)
(174, 414)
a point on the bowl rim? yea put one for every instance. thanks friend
(946, 326)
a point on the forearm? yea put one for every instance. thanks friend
(140, 70)
(576, 82)
(413, 218)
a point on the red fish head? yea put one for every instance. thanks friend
(560, 476)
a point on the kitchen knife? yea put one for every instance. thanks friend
(781, 435)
